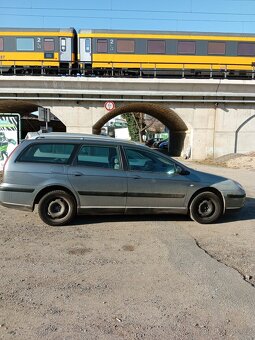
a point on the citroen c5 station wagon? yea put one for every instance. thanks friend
(86, 174)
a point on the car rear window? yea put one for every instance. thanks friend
(47, 153)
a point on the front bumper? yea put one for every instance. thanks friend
(234, 201)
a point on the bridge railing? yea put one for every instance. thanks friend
(129, 69)
(35, 67)
(166, 69)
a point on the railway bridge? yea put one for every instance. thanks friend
(213, 117)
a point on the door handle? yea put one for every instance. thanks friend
(77, 174)
(136, 177)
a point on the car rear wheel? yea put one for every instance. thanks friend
(57, 208)
(206, 207)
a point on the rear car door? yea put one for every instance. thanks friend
(97, 176)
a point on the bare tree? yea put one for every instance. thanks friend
(138, 124)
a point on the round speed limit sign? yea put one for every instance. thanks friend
(109, 106)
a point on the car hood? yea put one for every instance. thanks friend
(206, 178)
(219, 182)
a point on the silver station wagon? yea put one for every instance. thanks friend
(86, 174)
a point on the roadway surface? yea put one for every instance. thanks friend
(152, 277)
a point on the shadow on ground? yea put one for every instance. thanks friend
(244, 214)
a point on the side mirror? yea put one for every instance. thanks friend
(181, 171)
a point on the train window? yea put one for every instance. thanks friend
(1, 44)
(25, 44)
(102, 46)
(48, 44)
(156, 46)
(63, 44)
(125, 46)
(87, 45)
(246, 49)
(186, 47)
(216, 47)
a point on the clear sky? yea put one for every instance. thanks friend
(167, 15)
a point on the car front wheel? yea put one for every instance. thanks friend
(57, 208)
(206, 208)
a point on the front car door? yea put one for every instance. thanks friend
(154, 182)
(98, 177)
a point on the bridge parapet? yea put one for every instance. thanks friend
(127, 89)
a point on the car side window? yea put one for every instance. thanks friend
(47, 153)
(99, 156)
(139, 160)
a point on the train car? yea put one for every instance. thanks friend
(28, 50)
(112, 52)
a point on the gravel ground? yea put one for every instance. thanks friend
(234, 160)
(151, 277)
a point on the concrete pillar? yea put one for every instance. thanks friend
(77, 118)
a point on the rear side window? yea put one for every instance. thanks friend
(47, 153)
(99, 157)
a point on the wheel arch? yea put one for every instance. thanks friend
(45, 190)
(208, 189)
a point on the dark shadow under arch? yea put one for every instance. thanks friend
(168, 117)
(28, 121)
(17, 106)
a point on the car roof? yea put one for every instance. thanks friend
(55, 135)
(64, 136)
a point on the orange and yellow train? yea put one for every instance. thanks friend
(127, 53)
(37, 50)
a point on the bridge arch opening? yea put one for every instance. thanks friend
(29, 121)
(177, 127)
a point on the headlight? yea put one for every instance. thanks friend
(229, 185)
(239, 185)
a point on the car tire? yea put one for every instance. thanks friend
(206, 207)
(57, 208)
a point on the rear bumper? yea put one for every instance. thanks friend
(16, 206)
(14, 197)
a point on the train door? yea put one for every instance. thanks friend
(65, 49)
(85, 55)
(85, 50)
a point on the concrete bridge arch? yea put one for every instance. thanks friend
(217, 115)
(178, 129)
(90, 117)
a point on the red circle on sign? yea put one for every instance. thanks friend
(109, 106)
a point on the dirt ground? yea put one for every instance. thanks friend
(234, 161)
(148, 277)
(233, 244)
